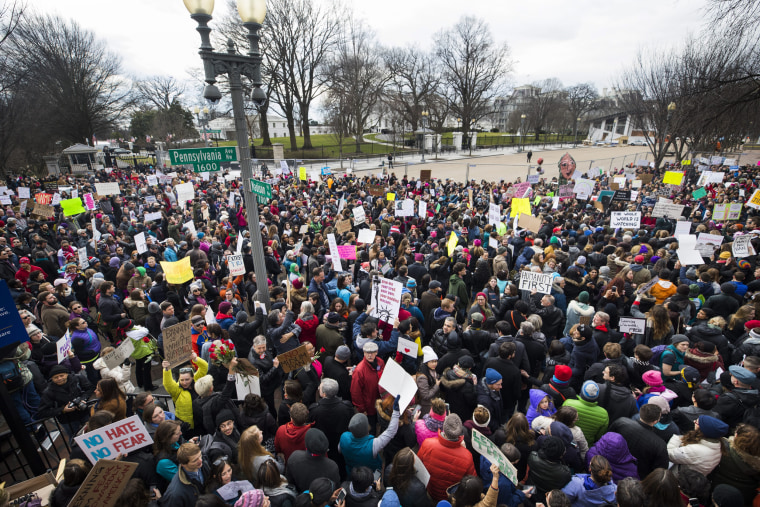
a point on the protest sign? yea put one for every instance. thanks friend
(104, 484)
(625, 219)
(583, 188)
(178, 343)
(407, 347)
(23, 193)
(83, 262)
(247, 384)
(644, 288)
(386, 298)
(707, 243)
(672, 178)
(294, 359)
(533, 179)
(667, 210)
(484, 446)
(741, 247)
(107, 189)
(235, 264)
(522, 189)
(153, 217)
(632, 326)
(494, 214)
(397, 382)
(117, 438)
(334, 254)
(404, 208)
(22, 207)
(420, 471)
(529, 222)
(72, 207)
(343, 226)
(177, 272)
(347, 251)
(422, 213)
(359, 215)
(566, 191)
(376, 190)
(687, 251)
(120, 354)
(520, 205)
(452, 243)
(89, 202)
(140, 243)
(6, 200)
(542, 283)
(152, 180)
(63, 347)
(390, 196)
(425, 174)
(43, 198)
(682, 227)
(304, 229)
(366, 236)
(754, 201)
(699, 193)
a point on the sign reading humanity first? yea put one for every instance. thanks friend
(203, 159)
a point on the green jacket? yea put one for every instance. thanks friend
(592, 419)
(459, 289)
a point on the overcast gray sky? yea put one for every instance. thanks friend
(575, 41)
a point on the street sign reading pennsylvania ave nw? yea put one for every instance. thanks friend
(203, 159)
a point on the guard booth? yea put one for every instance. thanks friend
(82, 158)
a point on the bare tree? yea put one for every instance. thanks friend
(357, 76)
(474, 67)
(542, 106)
(11, 106)
(581, 99)
(414, 77)
(158, 91)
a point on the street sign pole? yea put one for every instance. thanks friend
(251, 204)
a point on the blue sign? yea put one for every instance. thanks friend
(734, 167)
(12, 329)
(326, 171)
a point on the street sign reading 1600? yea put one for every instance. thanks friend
(203, 159)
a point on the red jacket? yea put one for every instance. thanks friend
(447, 463)
(308, 330)
(290, 438)
(364, 389)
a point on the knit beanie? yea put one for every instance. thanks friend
(141, 270)
(492, 376)
(583, 297)
(57, 369)
(712, 427)
(590, 391)
(154, 307)
(343, 353)
(727, 496)
(452, 427)
(652, 378)
(316, 441)
(224, 416)
(251, 498)
(359, 425)
(241, 317)
(562, 374)
(553, 448)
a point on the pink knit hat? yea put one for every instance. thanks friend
(251, 498)
(652, 378)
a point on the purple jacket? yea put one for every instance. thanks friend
(613, 447)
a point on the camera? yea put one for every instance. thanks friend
(78, 403)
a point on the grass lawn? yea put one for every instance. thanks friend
(324, 146)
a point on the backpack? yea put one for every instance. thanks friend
(11, 375)
(657, 351)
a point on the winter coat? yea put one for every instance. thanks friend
(364, 388)
(328, 337)
(137, 311)
(447, 462)
(426, 390)
(303, 467)
(331, 415)
(732, 405)
(536, 395)
(428, 426)
(617, 400)
(649, 449)
(183, 398)
(242, 335)
(704, 332)
(508, 495)
(662, 290)
(580, 496)
(86, 345)
(491, 400)
(703, 456)
(309, 327)
(584, 354)
(459, 393)
(121, 374)
(723, 304)
(592, 419)
(270, 378)
(703, 362)
(54, 398)
(184, 491)
(738, 469)
(338, 372)
(290, 438)
(546, 475)
(575, 311)
(458, 288)
(142, 349)
(614, 447)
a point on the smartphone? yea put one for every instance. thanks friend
(528, 490)
(448, 410)
(341, 496)
(377, 475)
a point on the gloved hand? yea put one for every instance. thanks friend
(397, 404)
(399, 357)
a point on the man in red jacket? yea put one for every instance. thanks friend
(364, 389)
(446, 458)
(291, 437)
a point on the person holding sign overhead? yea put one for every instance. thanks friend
(182, 392)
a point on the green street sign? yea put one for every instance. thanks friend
(203, 159)
(262, 190)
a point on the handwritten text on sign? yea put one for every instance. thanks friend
(632, 326)
(104, 484)
(540, 282)
(625, 219)
(484, 446)
(178, 343)
(294, 359)
(109, 441)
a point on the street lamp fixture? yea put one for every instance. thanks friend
(577, 121)
(235, 66)
(522, 133)
(425, 115)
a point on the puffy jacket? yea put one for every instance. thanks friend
(54, 398)
(649, 449)
(86, 345)
(459, 393)
(447, 462)
(617, 400)
(732, 405)
(703, 456)
(592, 419)
(662, 290)
(458, 288)
(269, 376)
(428, 426)
(142, 349)
(308, 329)
(738, 469)
(242, 335)
(575, 311)
(183, 398)
(580, 496)
(364, 389)
(121, 374)
(614, 447)
(584, 354)
(723, 304)
(546, 475)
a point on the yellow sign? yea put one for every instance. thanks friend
(453, 240)
(672, 178)
(178, 272)
(391, 196)
(72, 207)
(302, 174)
(754, 201)
(520, 205)
(685, 162)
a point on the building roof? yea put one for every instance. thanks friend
(79, 148)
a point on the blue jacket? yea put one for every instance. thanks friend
(170, 255)
(509, 495)
(358, 452)
(582, 497)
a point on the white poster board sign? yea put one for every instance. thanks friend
(667, 210)
(625, 219)
(396, 382)
(140, 243)
(334, 254)
(359, 215)
(117, 438)
(687, 250)
(707, 243)
(632, 326)
(63, 346)
(494, 214)
(741, 247)
(120, 354)
(542, 283)
(107, 189)
(247, 384)
(366, 236)
(386, 299)
(235, 263)
(407, 347)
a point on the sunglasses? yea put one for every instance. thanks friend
(185, 370)
(220, 460)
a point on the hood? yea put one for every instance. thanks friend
(582, 308)
(293, 431)
(614, 447)
(440, 314)
(561, 431)
(536, 395)
(528, 253)
(99, 364)
(700, 357)
(637, 267)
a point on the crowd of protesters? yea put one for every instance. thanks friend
(586, 413)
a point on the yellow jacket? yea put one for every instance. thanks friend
(182, 398)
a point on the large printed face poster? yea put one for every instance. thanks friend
(566, 168)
